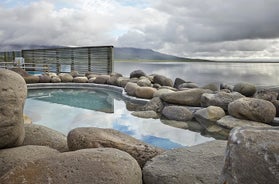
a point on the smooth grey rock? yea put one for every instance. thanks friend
(82, 138)
(65, 77)
(162, 80)
(12, 157)
(137, 74)
(155, 104)
(146, 114)
(145, 92)
(44, 136)
(102, 165)
(191, 97)
(178, 113)
(212, 87)
(80, 80)
(253, 109)
(197, 164)
(245, 88)
(13, 92)
(101, 79)
(130, 88)
(188, 85)
(209, 115)
(220, 99)
(230, 122)
(252, 156)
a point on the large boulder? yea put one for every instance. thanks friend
(137, 74)
(252, 109)
(252, 156)
(162, 80)
(20, 71)
(191, 97)
(145, 92)
(103, 165)
(220, 99)
(197, 164)
(65, 77)
(209, 115)
(245, 88)
(229, 122)
(131, 88)
(13, 92)
(44, 136)
(82, 138)
(178, 113)
(12, 157)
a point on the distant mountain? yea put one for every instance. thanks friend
(142, 54)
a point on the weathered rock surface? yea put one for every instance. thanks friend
(191, 97)
(27, 119)
(177, 82)
(12, 157)
(137, 74)
(252, 156)
(55, 79)
(178, 113)
(20, 71)
(267, 95)
(80, 79)
(31, 79)
(212, 87)
(130, 88)
(155, 104)
(245, 88)
(81, 138)
(113, 78)
(230, 122)
(162, 80)
(160, 92)
(145, 92)
(220, 99)
(188, 85)
(44, 79)
(101, 79)
(65, 77)
(122, 81)
(209, 115)
(146, 114)
(144, 82)
(197, 164)
(13, 92)
(43, 136)
(252, 109)
(103, 165)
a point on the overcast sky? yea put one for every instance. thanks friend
(212, 29)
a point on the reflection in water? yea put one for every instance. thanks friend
(64, 118)
(202, 73)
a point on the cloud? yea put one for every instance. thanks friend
(207, 29)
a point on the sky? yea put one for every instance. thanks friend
(212, 29)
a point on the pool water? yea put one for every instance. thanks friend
(64, 110)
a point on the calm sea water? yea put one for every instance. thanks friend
(260, 74)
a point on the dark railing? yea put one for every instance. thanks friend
(81, 59)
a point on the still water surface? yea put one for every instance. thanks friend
(202, 73)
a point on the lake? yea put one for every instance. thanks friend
(202, 73)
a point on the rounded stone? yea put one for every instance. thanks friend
(137, 74)
(102, 165)
(144, 82)
(89, 137)
(162, 80)
(44, 136)
(178, 113)
(101, 79)
(131, 88)
(44, 79)
(245, 88)
(12, 157)
(13, 92)
(65, 77)
(80, 80)
(209, 115)
(55, 79)
(32, 79)
(145, 92)
(252, 109)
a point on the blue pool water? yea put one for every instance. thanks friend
(64, 110)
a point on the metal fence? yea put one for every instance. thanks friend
(81, 59)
